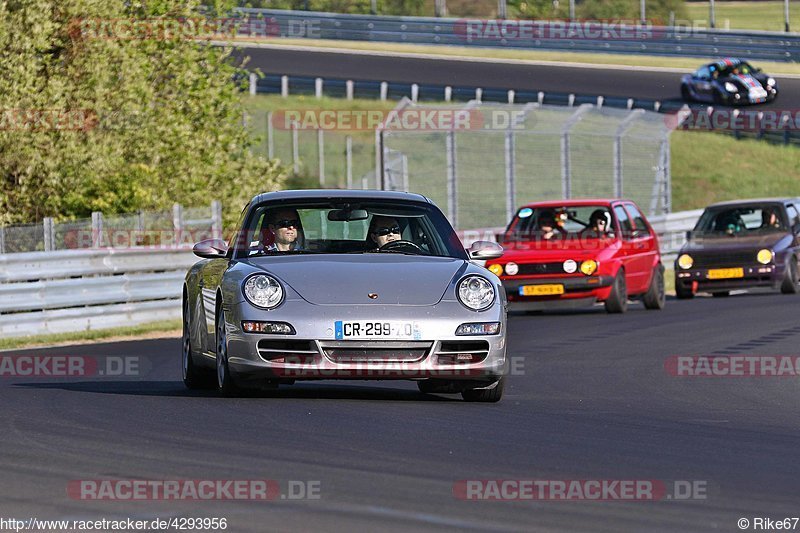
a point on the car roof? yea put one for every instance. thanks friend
(347, 194)
(575, 202)
(732, 203)
(727, 62)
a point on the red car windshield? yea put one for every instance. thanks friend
(549, 223)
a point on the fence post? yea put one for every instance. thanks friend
(270, 137)
(295, 149)
(452, 178)
(216, 219)
(617, 150)
(712, 20)
(2, 239)
(321, 155)
(349, 90)
(510, 159)
(253, 86)
(566, 164)
(384, 91)
(49, 234)
(348, 161)
(448, 93)
(97, 229)
(284, 86)
(318, 88)
(177, 223)
(502, 11)
(667, 175)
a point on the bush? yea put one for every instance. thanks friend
(153, 121)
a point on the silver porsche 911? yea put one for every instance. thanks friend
(344, 285)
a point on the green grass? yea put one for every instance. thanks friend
(168, 327)
(767, 15)
(684, 63)
(709, 167)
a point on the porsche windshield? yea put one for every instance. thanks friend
(742, 220)
(347, 227)
(548, 223)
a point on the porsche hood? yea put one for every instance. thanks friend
(391, 279)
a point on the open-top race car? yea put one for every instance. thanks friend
(573, 253)
(729, 81)
(344, 285)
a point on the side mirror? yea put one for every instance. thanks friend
(484, 250)
(689, 234)
(211, 249)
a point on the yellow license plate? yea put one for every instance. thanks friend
(541, 290)
(725, 273)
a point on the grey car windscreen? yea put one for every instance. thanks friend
(333, 227)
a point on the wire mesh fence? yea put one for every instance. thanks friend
(163, 229)
(480, 175)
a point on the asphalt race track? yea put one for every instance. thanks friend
(589, 399)
(649, 84)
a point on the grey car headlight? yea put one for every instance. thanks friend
(476, 292)
(730, 87)
(263, 291)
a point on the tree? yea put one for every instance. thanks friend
(94, 117)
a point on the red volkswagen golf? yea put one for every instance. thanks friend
(573, 253)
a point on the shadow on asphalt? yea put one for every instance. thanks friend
(302, 391)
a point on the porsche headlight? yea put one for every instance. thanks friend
(731, 88)
(771, 82)
(588, 267)
(476, 292)
(685, 261)
(765, 256)
(263, 291)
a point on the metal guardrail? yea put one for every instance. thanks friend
(372, 89)
(629, 39)
(81, 290)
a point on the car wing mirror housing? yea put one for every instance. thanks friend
(211, 249)
(484, 250)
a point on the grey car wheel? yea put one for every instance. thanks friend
(790, 280)
(492, 395)
(225, 382)
(193, 376)
(618, 299)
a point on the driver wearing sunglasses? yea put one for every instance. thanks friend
(285, 225)
(383, 230)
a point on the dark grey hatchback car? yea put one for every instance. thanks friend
(739, 245)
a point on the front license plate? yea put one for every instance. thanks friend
(541, 290)
(725, 273)
(374, 329)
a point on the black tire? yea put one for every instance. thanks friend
(681, 292)
(225, 382)
(790, 281)
(617, 301)
(655, 298)
(194, 377)
(492, 395)
(686, 94)
(721, 294)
